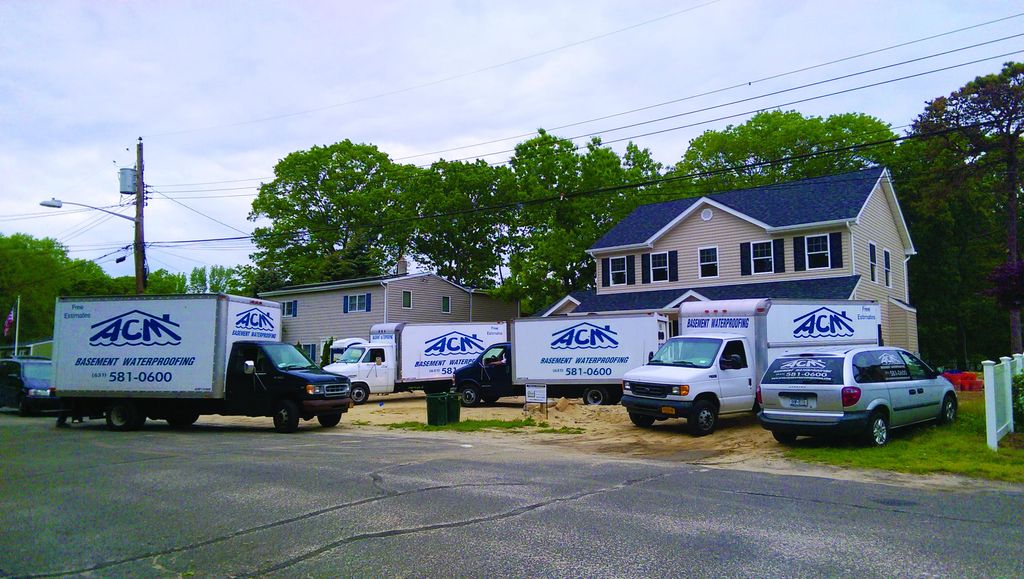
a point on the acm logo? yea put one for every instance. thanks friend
(823, 323)
(453, 343)
(585, 336)
(254, 319)
(807, 364)
(136, 328)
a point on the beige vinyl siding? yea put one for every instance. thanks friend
(902, 326)
(877, 224)
(427, 292)
(488, 309)
(727, 232)
(321, 315)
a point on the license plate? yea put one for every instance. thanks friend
(801, 402)
(668, 410)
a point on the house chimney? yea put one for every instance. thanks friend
(402, 267)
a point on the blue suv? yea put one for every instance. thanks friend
(25, 384)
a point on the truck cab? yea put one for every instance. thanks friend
(371, 367)
(693, 377)
(488, 378)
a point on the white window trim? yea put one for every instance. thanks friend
(449, 305)
(666, 268)
(292, 305)
(352, 300)
(612, 271)
(718, 267)
(807, 251)
(771, 245)
(887, 271)
(406, 307)
(873, 272)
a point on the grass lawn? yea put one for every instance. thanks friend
(959, 448)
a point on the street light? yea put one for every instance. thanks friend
(140, 249)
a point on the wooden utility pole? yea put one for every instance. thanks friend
(140, 242)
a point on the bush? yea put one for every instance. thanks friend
(1018, 401)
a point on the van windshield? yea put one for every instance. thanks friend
(287, 357)
(687, 352)
(351, 355)
(805, 371)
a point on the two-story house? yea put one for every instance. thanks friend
(835, 237)
(315, 313)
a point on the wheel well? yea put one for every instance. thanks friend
(709, 396)
(883, 409)
(361, 384)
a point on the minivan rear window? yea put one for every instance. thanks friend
(805, 371)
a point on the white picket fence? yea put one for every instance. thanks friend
(998, 397)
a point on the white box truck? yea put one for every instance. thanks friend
(399, 357)
(715, 365)
(574, 356)
(174, 358)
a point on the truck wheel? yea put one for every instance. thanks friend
(360, 393)
(286, 417)
(182, 419)
(595, 395)
(641, 420)
(329, 420)
(470, 396)
(123, 415)
(703, 418)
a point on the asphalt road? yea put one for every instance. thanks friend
(350, 501)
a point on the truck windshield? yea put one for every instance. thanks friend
(687, 352)
(351, 355)
(287, 357)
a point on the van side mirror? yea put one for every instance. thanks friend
(249, 367)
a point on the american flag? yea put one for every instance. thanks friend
(9, 322)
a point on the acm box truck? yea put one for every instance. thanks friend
(716, 363)
(175, 358)
(575, 357)
(400, 357)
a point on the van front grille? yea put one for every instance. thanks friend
(335, 389)
(652, 390)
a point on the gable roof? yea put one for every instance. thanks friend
(830, 288)
(354, 283)
(829, 199)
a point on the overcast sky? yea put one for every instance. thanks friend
(220, 91)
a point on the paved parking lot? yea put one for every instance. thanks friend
(239, 499)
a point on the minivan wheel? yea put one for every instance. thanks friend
(641, 420)
(595, 396)
(329, 420)
(703, 418)
(470, 396)
(948, 412)
(360, 393)
(878, 429)
(784, 437)
(286, 417)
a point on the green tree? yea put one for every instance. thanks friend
(197, 282)
(748, 155)
(327, 208)
(988, 115)
(164, 282)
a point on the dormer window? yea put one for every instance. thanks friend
(617, 270)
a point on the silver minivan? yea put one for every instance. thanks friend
(861, 392)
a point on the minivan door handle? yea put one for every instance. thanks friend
(913, 391)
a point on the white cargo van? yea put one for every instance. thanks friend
(575, 356)
(715, 365)
(401, 357)
(177, 357)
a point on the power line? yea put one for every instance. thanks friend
(198, 212)
(440, 80)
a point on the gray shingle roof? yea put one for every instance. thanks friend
(829, 288)
(807, 201)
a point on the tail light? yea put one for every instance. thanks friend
(757, 396)
(851, 395)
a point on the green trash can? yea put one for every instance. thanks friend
(437, 409)
(454, 407)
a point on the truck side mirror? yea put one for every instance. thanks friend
(650, 356)
(249, 367)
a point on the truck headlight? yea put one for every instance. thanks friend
(626, 386)
(312, 389)
(681, 390)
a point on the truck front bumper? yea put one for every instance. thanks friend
(851, 423)
(659, 408)
(326, 406)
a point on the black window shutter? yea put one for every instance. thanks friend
(367, 302)
(630, 270)
(799, 255)
(344, 304)
(779, 255)
(744, 259)
(835, 249)
(295, 309)
(645, 268)
(605, 274)
(673, 266)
